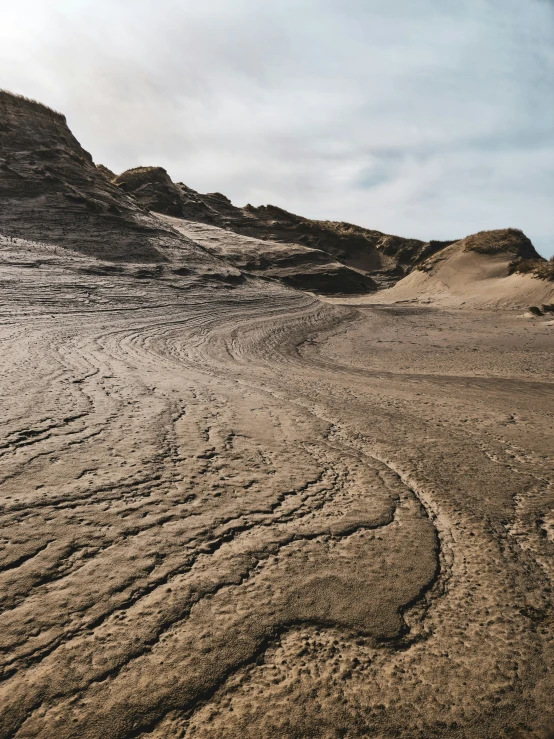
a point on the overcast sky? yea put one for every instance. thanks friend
(430, 119)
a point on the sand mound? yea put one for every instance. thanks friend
(509, 241)
(476, 272)
(153, 188)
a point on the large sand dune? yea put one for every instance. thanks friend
(463, 276)
(230, 509)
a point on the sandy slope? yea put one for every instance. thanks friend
(238, 512)
(292, 264)
(458, 276)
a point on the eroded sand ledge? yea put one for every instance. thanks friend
(243, 512)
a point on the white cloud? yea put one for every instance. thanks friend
(429, 119)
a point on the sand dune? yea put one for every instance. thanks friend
(50, 190)
(383, 257)
(232, 509)
(461, 276)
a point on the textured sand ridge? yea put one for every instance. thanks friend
(231, 509)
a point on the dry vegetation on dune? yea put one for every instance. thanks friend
(232, 509)
(108, 174)
(512, 241)
(29, 107)
(537, 267)
(508, 240)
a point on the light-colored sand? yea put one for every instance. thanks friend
(470, 279)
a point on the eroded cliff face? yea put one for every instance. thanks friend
(246, 243)
(383, 257)
(51, 190)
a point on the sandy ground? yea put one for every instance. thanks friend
(466, 279)
(243, 512)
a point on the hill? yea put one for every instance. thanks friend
(487, 269)
(384, 257)
(51, 191)
(255, 245)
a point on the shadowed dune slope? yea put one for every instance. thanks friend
(50, 190)
(215, 221)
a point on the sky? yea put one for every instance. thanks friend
(428, 119)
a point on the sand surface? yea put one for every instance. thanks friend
(468, 279)
(239, 511)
